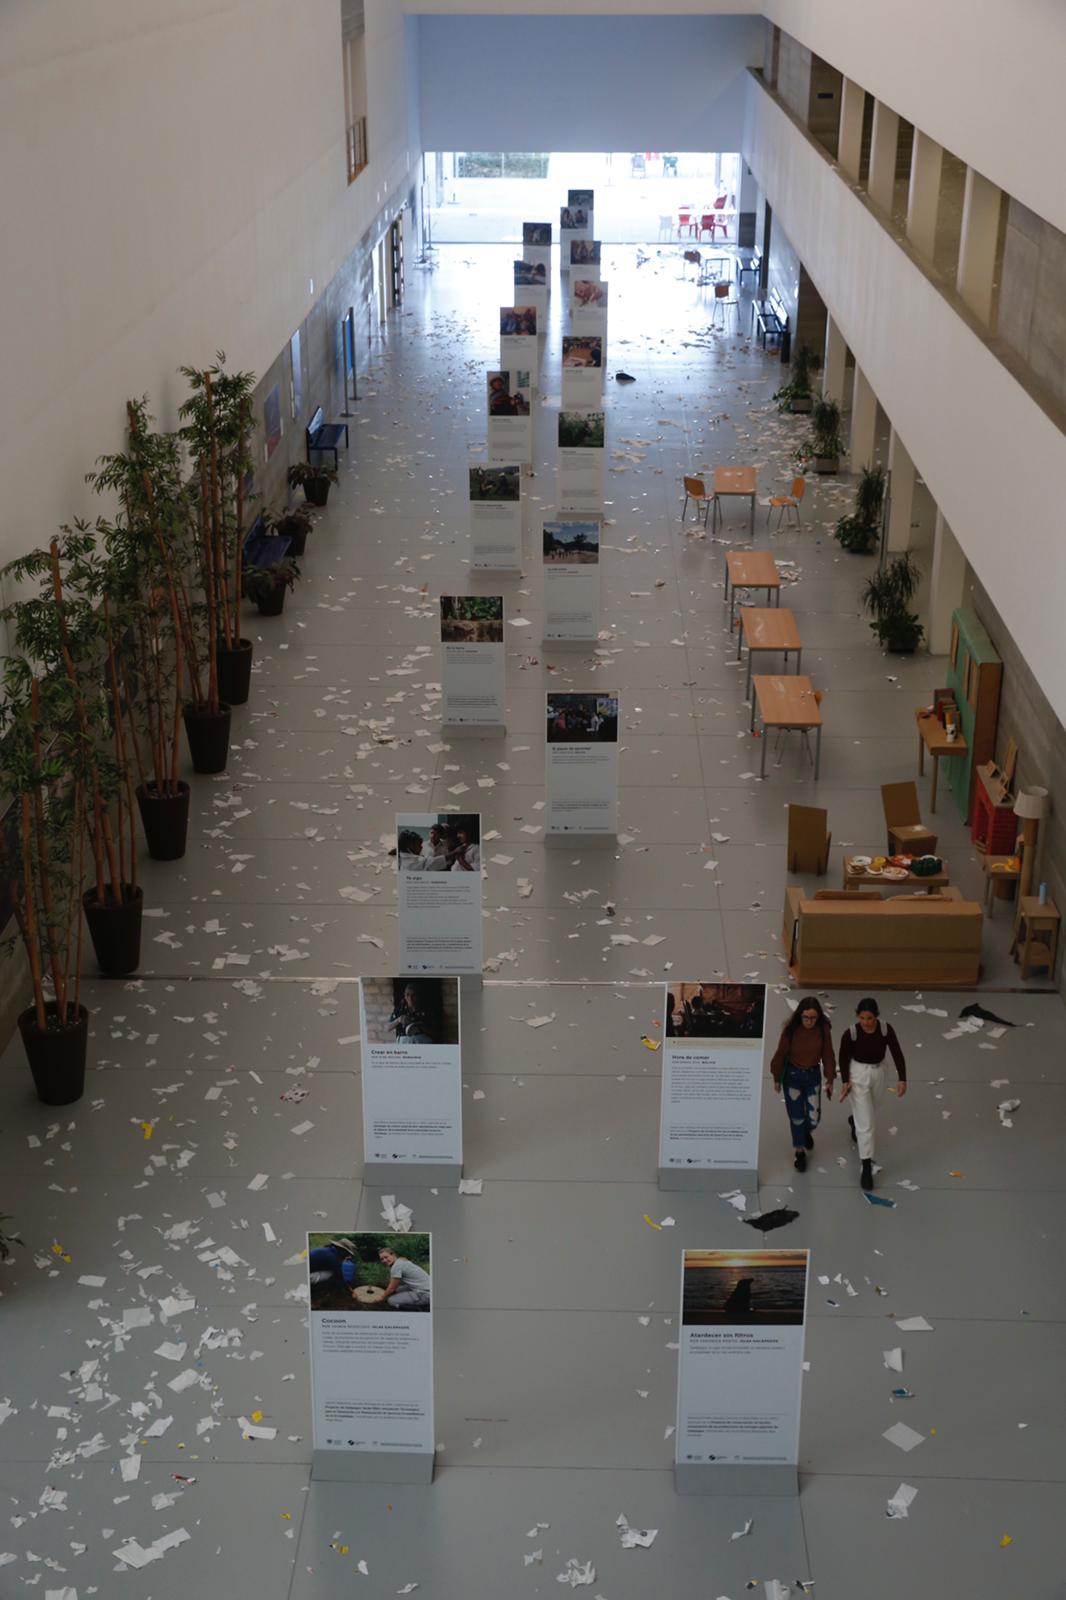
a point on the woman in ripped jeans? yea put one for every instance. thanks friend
(803, 1055)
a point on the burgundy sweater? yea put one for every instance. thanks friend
(871, 1048)
(808, 1047)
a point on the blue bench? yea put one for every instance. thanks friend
(263, 548)
(752, 265)
(325, 436)
(769, 318)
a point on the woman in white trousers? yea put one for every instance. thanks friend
(863, 1048)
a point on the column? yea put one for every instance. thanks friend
(863, 422)
(881, 183)
(836, 351)
(923, 200)
(901, 508)
(946, 584)
(849, 152)
(977, 248)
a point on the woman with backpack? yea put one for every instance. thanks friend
(804, 1053)
(863, 1048)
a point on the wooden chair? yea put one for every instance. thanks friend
(696, 491)
(808, 839)
(785, 504)
(907, 834)
(724, 300)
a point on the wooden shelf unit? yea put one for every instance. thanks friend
(975, 674)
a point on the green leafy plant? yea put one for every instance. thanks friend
(302, 473)
(798, 387)
(262, 582)
(823, 443)
(217, 431)
(859, 532)
(886, 597)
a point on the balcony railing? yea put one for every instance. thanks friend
(356, 148)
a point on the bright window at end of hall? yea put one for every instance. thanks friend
(353, 55)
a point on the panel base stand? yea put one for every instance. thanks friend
(412, 1174)
(698, 1478)
(718, 1179)
(372, 1466)
(586, 841)
(470, 730)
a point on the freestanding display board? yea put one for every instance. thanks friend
(496, 518)
(473, 671)
(537, 247)
(585, 258)
(518, 340)
(582, 372)
(740, 1371)
(581, 765)
(575, 222)
(510, 407)
(438, 890)
(571, 552)
(581, 472)
(371, 1313)
(712, 1084)
(531, 289)
(411, 1080)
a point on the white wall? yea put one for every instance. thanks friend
(993, 461)
(584, 83)
(173, 178)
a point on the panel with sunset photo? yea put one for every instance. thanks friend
(738, 1288)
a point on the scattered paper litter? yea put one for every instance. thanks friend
(914, 1325)
(252, 1430)
(577, 1574)
(894, 1359)
(902, 1437)
(635, 1538)
(470, 1185)
(900, 1502)
(398, 1216)
(743, 1532)
(539, 1022)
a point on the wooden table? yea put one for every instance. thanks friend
(786, 703)
(734, 481)
(1000, 877)
(863, 877)
(1036, 934)
(750, 569)
(768, 628)
(932, 737)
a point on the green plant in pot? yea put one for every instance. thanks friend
(42, 857)
(886, 597)
(268, 586)
(313, 479)
(860, 531)
(294, 524)
(217, 430)
(70, 632)
(795, 395)
(150, 546)
(823, 446)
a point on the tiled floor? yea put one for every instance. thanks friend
(554, 1399)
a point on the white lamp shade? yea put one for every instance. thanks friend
(1032, 803)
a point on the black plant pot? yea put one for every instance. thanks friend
(56, 1055)
(166, 820)
(115, 931)
(316, 491)
(235, 672)
(295, 530)
(208, 736)
(272, 604)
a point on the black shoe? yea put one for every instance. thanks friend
(867, 1179)
(800, 1162)
(851, 1125)
(810, 1142)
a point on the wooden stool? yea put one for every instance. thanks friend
(1036, 937)
(1000, 880)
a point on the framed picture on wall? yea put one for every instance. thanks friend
(272, 420)
(296, 382)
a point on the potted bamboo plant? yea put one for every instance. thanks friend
(795, 395)
(42, 859)
(886, 597)
(149, 549)
(69, 632)
(860, 531)
(313, 479)
(268, 586)
(217, 432)
(823, 446)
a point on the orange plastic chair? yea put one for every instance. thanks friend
(696, 491)
(786, 504)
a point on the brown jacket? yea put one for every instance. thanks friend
(808, 1047)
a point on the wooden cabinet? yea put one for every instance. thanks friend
(975, 673)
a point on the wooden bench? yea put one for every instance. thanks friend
(769, 318)
(325, 436)
(752, 265)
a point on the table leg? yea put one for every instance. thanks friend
(751, 720)
(750, 654)
(725, 597)
(753, 516)
(740, 635)
(921, 757)
(765, 734)
(936, 773)
(818, 753)
(799, 661)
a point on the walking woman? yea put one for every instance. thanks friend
(863, 1048)
(803, 1055)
